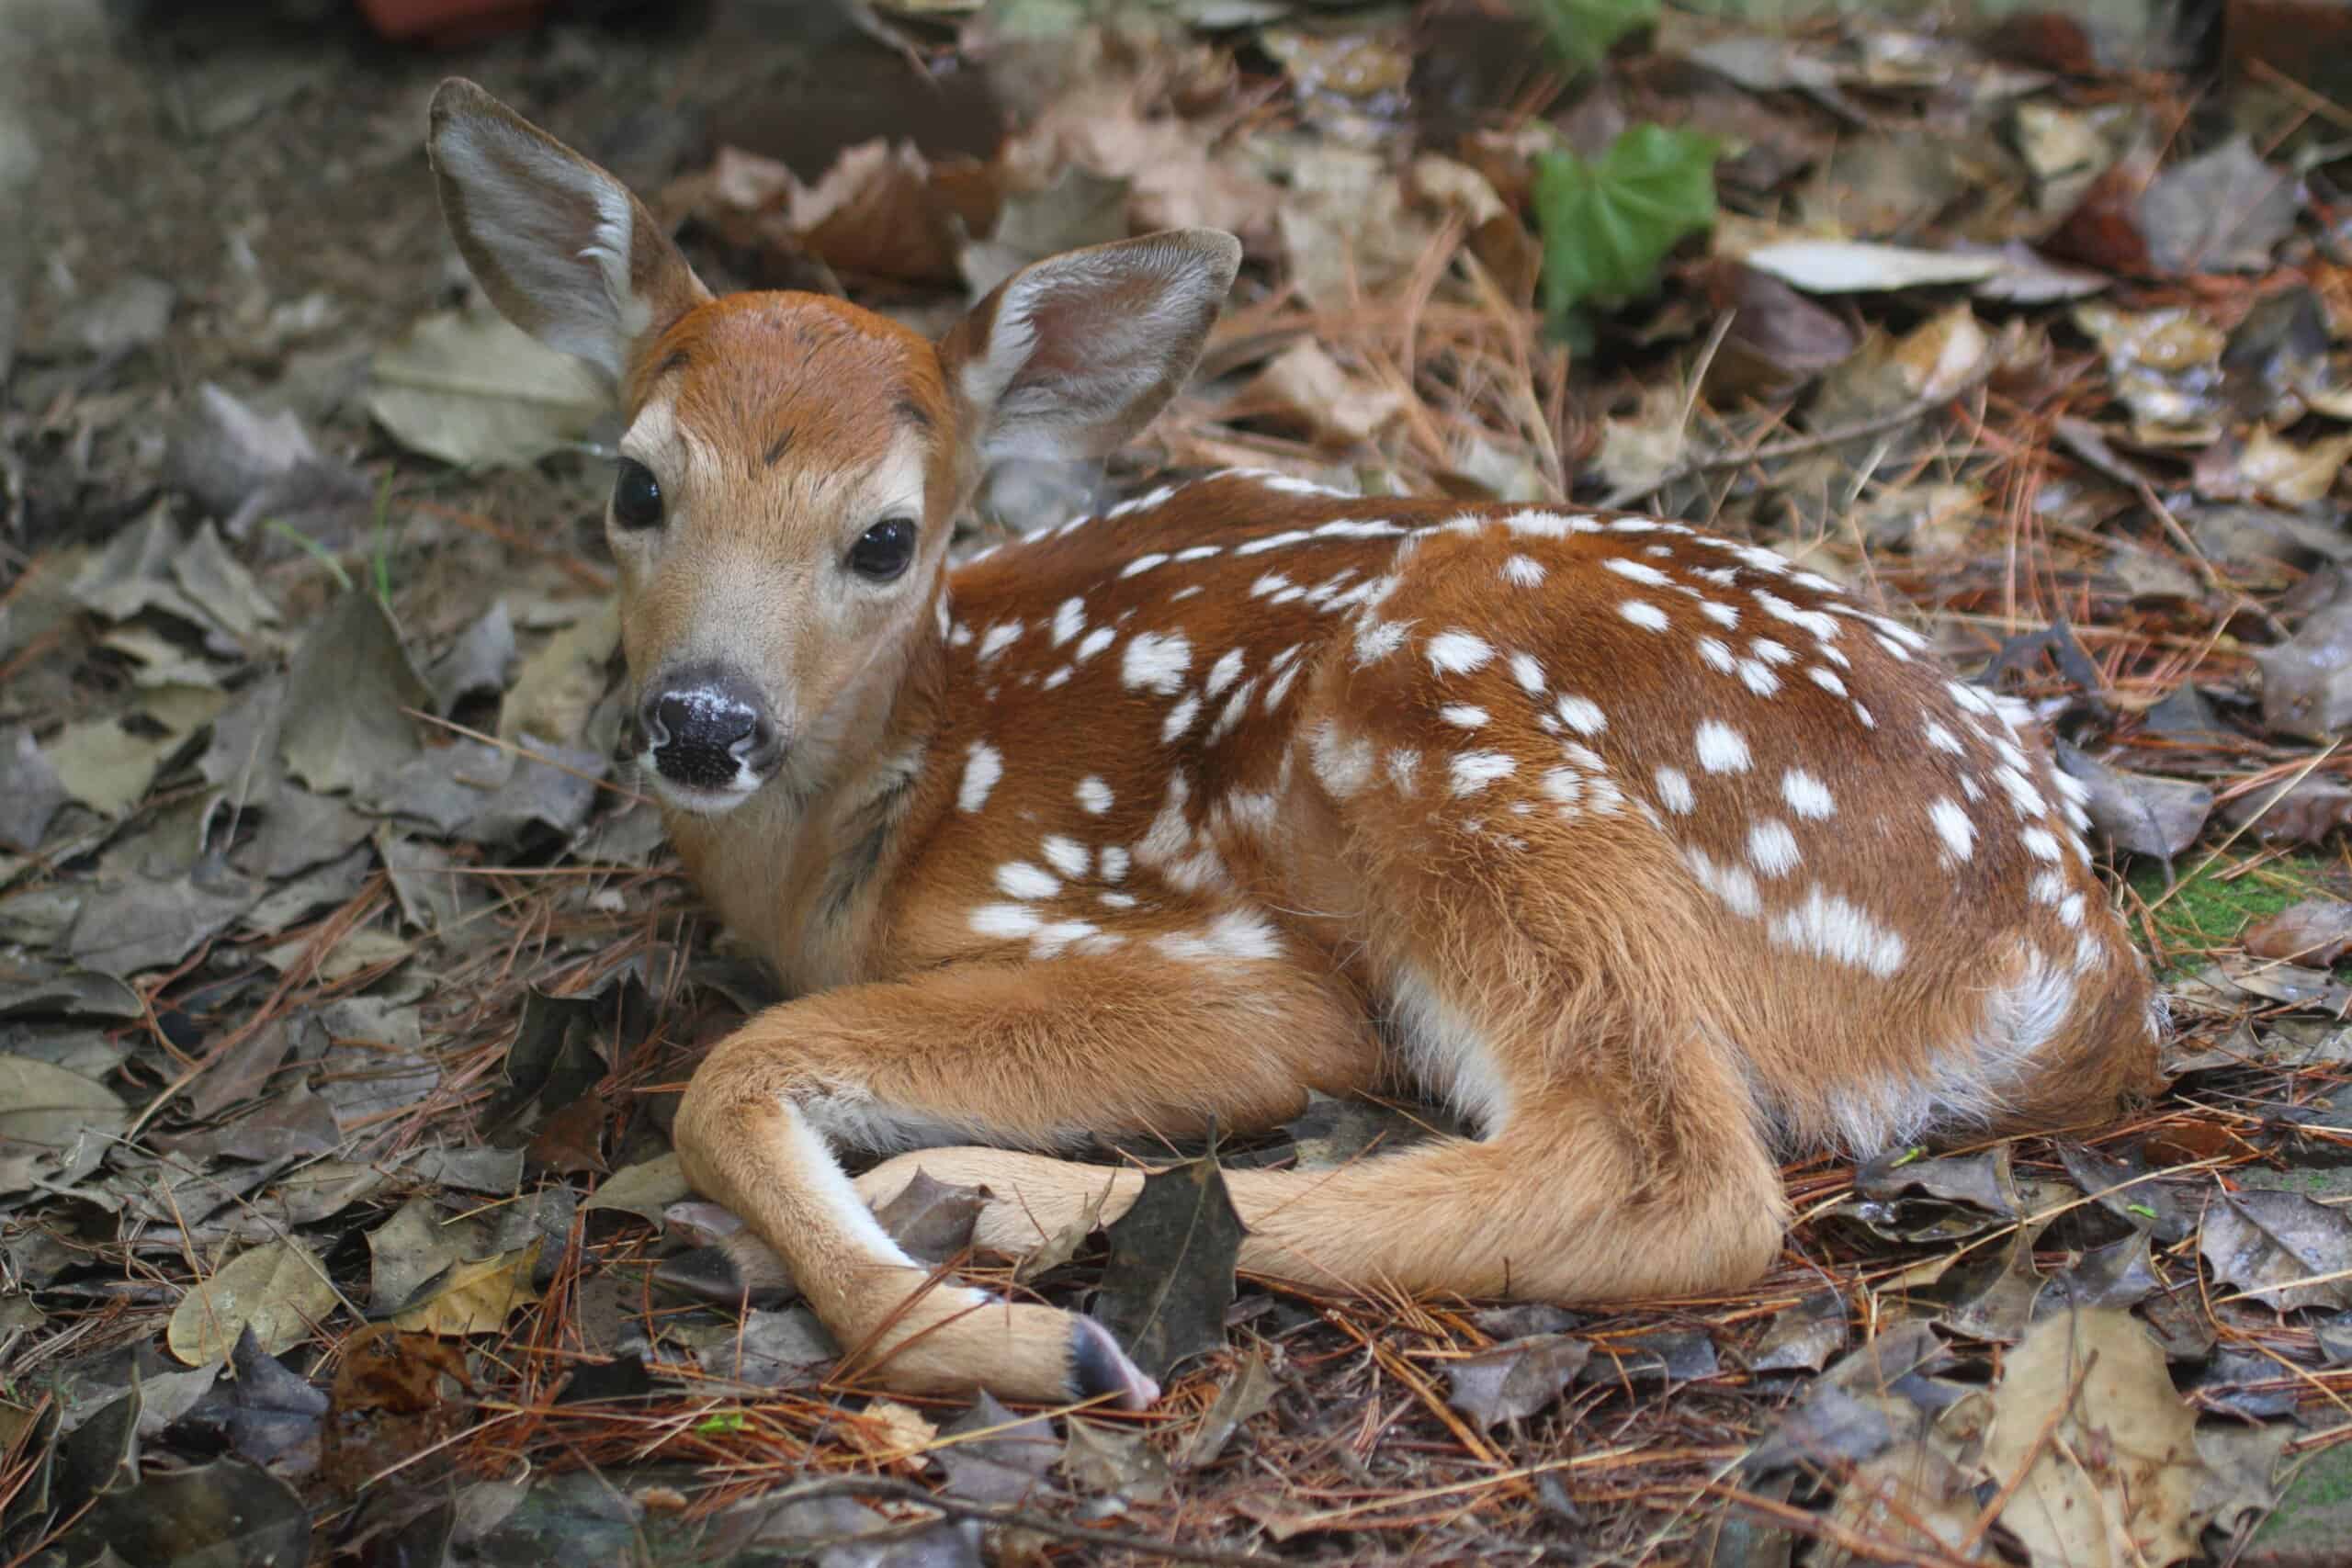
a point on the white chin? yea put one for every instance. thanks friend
(696, 801)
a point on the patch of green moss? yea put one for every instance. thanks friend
(2316, 1504)
(2214, 903)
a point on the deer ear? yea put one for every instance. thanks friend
(1071, 356)
(560, 246)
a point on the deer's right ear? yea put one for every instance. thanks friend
(560, 246)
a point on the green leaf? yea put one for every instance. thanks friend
(1581, 32)
(1607, 224)
(721, 1422)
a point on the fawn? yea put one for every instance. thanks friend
(1653, 855)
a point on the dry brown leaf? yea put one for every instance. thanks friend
(2116, 1478)
(1304, 390)
(478, 1297)
(278, 1290)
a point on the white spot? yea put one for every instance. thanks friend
(1863, 716)
(1832, 928)
(1523, 571)
(1198, 552)
(1272, 582)
(2022, 795)
(1142, 564)
(1722, 748)
(1732, 883)
(1405, 770)
(1674, 791)
(1234, 706)
(1474, 770)
(1828, 681)
(1059, 677)
(1018, 879)
(1643, 613)
(1114, 864)
(1234, 933)
(1007, 920)
(1375, 640)
(999, 637)
(1169, 834)
(1456, 652)
(1281, 687)
(2070, 911)
(1116, 900)
(1224, 672)
(1716, 654)
(1821, 625)
(1721, 615)
(2048, 887)
(2039, 843)
(983, 766)
(1180, 718)
(1462, 715)
(1093, 794)
(1342, 763)
(1772, 849)
(1969, 697)
(1528, 673)
(1807, 796)
(1756, 678)
(1770, 652)
(1270, 542)
(1156, 661)
(1953, 826)
(1066, 855)
(1581, 714)
(1095, 642)
(1635, 571)
(1069, 620)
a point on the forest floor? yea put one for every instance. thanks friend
(346, 985)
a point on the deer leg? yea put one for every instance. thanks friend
(1040, 1054)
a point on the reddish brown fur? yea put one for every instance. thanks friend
(1008, 924)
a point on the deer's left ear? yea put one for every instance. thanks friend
(1071, 356)
(560, 246)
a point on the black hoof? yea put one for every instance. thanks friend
(1097, 1367)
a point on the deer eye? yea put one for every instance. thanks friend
(636, 496)
(883, 551)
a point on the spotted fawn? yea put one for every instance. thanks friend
(1654, 856)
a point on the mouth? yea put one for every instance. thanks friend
(704, 785)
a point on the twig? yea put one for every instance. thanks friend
(1016, 1519)
(1806, 446)
(2042, 1439)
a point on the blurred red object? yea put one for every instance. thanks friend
(444, 23)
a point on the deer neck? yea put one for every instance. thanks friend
(796, 870)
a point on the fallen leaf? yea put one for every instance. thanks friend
(993, 1456)
(473, 390)
(344, 723)
(2116, 1479)
(1908, 1497)
(477, 664)
(1512, 1382)
(1608, 222)
(1170, 1278)
(278, 1290)
(2221, 211)
(1982, 1180)
(2139, 813)
(1803, 1337)
(1249, 1392)
(30, 791)
(1122, 1464)
(2114, 1183)
(2317, 931)
(645, 1190)
(2165, 366)
(1076, 209)
(477, 1297)
(227, 1514)
(1856, 266)
(2280, 1248)
(1304, 390)
(773, 1350)
(932, 1220)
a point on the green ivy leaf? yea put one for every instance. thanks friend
(1582, 31)
(1608, 224)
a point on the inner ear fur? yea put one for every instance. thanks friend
(560, 246)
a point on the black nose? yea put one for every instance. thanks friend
(708, 727)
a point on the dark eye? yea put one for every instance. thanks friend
(636, 496)
(883, 551)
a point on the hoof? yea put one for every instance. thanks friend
(1099, 1366)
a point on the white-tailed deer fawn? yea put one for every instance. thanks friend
(1650, 853)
